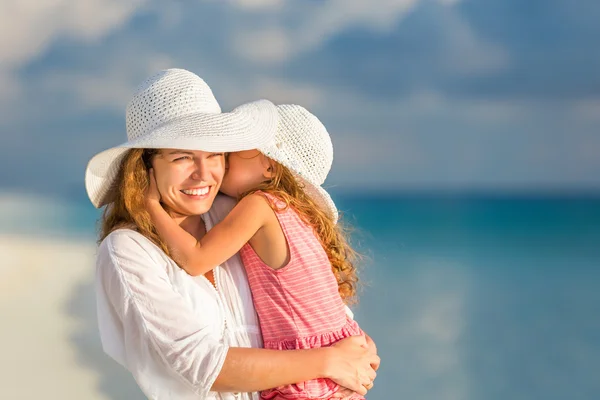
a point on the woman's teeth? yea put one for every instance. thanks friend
(197, 192)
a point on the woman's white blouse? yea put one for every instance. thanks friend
(170, 330)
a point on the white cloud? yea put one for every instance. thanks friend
(108, 88)
(335, 16)
(281, 91)
(9, 87)
(232, 90)
(266, 46)
(357, 154)
(588, 109)
(424, 102)
(466, 53)
(449, 2)
(308, 26)
(27, 28)
(257, 4)
(429, 140)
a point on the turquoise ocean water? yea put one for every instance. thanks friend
(482, 297)
(471, 297)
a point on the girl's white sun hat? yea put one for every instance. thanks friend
(176, 109)
(302, 144)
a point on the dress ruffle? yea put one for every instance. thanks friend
(317, 388)
(325, 339)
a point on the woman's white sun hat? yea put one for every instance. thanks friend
(176, 109)
(302, 144)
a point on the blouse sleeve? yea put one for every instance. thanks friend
(146, 324)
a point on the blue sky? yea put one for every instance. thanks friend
(417, 94)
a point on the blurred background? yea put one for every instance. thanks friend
(467, 156)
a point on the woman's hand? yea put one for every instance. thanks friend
(152, 193)
(352, 364)
(373, 349)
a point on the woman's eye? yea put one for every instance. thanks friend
(183, 158)
(217, 154)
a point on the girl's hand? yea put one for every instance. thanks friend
(152, 193)
(351, 364)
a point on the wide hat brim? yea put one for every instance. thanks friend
(247, 127)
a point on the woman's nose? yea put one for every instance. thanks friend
(199, 172)
(199, 176)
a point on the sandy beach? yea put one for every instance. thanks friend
(48, 341)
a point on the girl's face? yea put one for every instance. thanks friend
(188, 180)
(245, 171)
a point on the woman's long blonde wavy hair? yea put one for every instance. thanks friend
(333, 237)
(128, 210)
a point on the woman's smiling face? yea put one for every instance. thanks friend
(188, 180)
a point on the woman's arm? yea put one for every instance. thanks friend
(348, 363)
(155, 319)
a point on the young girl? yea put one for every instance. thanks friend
(298, 262)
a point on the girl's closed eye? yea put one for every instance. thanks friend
(182, 158)
(217, 154)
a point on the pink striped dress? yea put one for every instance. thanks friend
(299, 306)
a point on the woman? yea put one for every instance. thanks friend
(184, 337)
